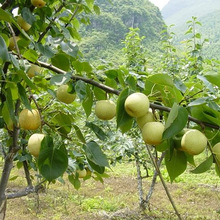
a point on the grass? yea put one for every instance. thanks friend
(196, 197)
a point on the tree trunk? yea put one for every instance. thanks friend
(3, 183)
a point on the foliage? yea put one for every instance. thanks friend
(184, 97)
(179, 12)
(103, 36)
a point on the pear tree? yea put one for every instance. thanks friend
(56, 116)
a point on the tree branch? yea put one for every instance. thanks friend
(117, 92)
(8, 164)
(6, 4)
(150, 192)
(139, 179)
(50, 24)
(24, 192)
(73, 15)
(163, 182)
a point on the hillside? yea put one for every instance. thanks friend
(178, 12)
(103, 37)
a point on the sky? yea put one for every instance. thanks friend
(160, 3)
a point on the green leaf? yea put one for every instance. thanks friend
(82, 67)
(95, 154)
(30, 55)
(179, 85)
(97, 168)
(176, 163)
(88, 101)
(97, 130)
(60, 79)
(100, 94)
(75, 181)
(10, 104)
(176, 121)
(204, 166)
(5, 16)
(213, 77)
(45, 50)
(163, 146)
(52, 161)
(28, 15)
(3, 50)
(90, 3)
(70, 49)
(61, 61)
(64, 122)
(6, 115)
(96, 9)
(79, 134)
(161, 79)
(206, 114)
(217, 170)
(80, 89)
(198, 101)
(132, 83)
(124, 121)
(23, 96)
(27, 80)
(112, 74)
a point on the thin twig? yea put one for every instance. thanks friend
(73, 16)
(5, 4)
(150, 192)
(163, 183)
(14, 39)
(187, 98)
(50, 24)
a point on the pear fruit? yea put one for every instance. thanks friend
(149, 117)
(33, 70)
(64, 96)
(12, 43)
(23, 24)
(193, 142)
(137, 104)
(38, 3)
(105, 109)
(34, 144)
(216, 151)
(152, 133)
(29, 120)
(82, 173)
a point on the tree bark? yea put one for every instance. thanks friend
(8, 164)
(139, 179)
(3, 184)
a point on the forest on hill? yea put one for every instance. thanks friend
(104, 35)
(178, 12)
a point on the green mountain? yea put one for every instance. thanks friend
(102, 39)
(178, 12)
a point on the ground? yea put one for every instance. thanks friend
(196, 197)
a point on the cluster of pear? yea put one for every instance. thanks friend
(30, 120)
(192, 141)
(137, 106)
(24, 24)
